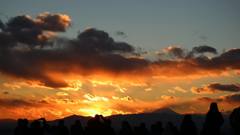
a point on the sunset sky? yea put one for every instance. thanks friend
(87, 57)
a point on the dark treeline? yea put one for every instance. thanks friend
(100, 125)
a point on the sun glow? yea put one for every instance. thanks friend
(93, 111)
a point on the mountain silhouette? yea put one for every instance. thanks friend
(165, 111)
(163, 114)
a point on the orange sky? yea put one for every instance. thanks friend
(90, 95)
(45, 75)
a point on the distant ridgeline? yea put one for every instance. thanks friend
(160, 122)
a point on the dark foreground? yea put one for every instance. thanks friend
(166, 124)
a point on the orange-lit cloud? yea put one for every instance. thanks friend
(63, 104)
(94, 52)
(92, 73)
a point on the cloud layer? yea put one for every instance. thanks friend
(216, 87)
(32, 31)
(230, 99)
(31, 49)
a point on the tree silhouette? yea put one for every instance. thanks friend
(126, 129)
(213, 121)
(22, 127)
(188, 127)
(76, 128)
(100, 125)
(141, 129)
(36, 128)
(156, 128)
(235, 120)
(170, 129)
(61, 129)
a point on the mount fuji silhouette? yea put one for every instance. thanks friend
(163, 114)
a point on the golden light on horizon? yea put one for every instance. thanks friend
(94, 111)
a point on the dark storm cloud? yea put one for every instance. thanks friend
(33, 31)
(28, 65)
(92, 49)
(178, 52)
(99, 41)
(200, 50)
(204, 49)
(233, 98)
(229, 59)
(28, 51)
(217, 87)
(226, 60)
(174, 51)
(225, 87)
(199, 65)
(86, 54)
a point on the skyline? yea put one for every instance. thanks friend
(58, 59)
